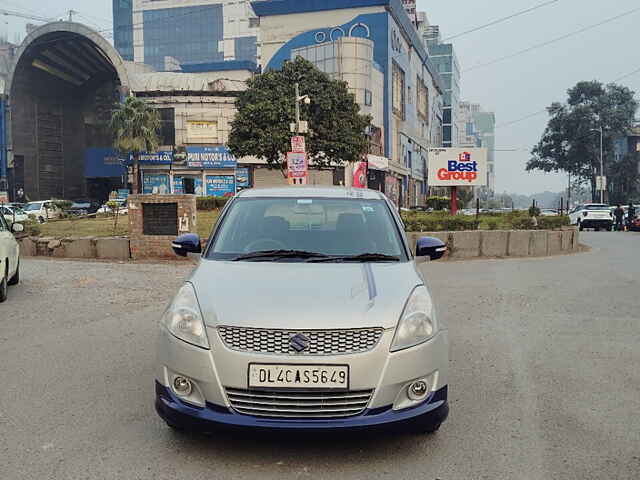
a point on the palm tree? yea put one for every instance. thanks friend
(135, 125)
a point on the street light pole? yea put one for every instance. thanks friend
(601, 131)
(297, 108)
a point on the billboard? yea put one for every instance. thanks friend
(202, 131)
(210, 157)
(242, 178)
(155, 158)
(221, 185)
(157, 184)
(360, 175)
(452, 167)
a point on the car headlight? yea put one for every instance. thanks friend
(418, 321)
(184, 319)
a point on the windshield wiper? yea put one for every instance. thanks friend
(365, 257)
(279, 254)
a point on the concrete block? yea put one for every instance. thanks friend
(80, 247)
(495, 243)
(576, 240)
(539, 246)
(27, 247)
(567, 240)
(465, 244)
(554, 242)
(519, 241)
(42, 246)
(113, 248)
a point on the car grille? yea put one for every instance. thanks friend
(321, 342)
(291, 404)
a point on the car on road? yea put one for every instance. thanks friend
(306, 311)
(83, 207)
(13, 214)
(43, 211)
(9, 257)
(122, 205)
(592, 215)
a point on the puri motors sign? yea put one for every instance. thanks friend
(454, 167)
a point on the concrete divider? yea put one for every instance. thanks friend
(113, 248)
(87, 247)
(80, 247)
(502, 243)
(495, 243)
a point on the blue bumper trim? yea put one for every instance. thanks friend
(179, 414)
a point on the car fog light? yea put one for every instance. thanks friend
(418, 390)
(182, 386)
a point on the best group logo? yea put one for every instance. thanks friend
(464, 169)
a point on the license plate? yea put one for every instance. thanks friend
(299, 376)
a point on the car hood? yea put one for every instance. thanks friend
(303, 295)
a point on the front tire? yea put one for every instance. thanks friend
(580, 227)
(15, 280)
(40, 220)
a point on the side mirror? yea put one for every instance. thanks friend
(186, 244)
(17, 228)
(430, 247)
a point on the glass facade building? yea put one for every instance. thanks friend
(166, 34)
(123, 28)
(187, 34)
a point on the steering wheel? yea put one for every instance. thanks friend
(266, 244)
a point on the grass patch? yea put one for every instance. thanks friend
(103, 226)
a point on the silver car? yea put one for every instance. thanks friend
(306, 311)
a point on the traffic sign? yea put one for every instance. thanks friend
(298, 144)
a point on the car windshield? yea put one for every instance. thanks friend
(33, 206)
(597, 207)
(308, 228)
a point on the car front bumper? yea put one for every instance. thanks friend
(386, 374)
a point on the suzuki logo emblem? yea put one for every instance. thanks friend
(299, 342)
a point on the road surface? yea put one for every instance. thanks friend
(544, 378)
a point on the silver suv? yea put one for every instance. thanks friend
(306, 311)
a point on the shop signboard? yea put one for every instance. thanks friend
(453, 167)
(221, 186)
(210, 157)
(155, 158)
(157, 184)
(298, 144)
(298, 168)
(392, 190)
(360, 175)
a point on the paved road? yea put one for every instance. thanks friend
(545, 381)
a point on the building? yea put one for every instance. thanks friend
(468, 135)
(373, 46)
(444, 57)
(627, 145)
(169, 33)
(7, 53)
(485, 123)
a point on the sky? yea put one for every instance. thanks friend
(513, 88)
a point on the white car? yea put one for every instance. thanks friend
(43, 210)
(9, 257)
(123, 208)
(13, 215)
(592, 215)
(549, 212)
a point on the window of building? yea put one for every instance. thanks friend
(254, 22)
(168, 128)
(399, 95)
(368, 98)
(422, 99)
(409, 96)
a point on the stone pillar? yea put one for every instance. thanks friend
(156, 220)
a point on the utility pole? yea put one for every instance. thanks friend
(71, 14)
(602, 181)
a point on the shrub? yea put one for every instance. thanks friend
(438, 203)
(523, 223)
(550, 223)
(493, 223)
(222, 201)
(206, 203)
(534, 211)
(32, 228)
(63, 204)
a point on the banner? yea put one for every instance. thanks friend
(221, 186)
(210, 157)
(298, 144)
(451, 167)
(178, 185)
(360, 175)
(242, 178)
(157, 184)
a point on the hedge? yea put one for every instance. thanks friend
(442, 221)
(211, 203)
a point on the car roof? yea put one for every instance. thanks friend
(311, 191)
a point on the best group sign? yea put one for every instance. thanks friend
(455, 167)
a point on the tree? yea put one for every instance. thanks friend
(569, 142)
(135, 125)
(267, 108)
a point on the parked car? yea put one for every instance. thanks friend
(13, 214)
(123, 208)
(341, 330)
(634, 225)
(9, 257)
(592, 215)
(43, 210)
(549, 212)
(83, 207)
